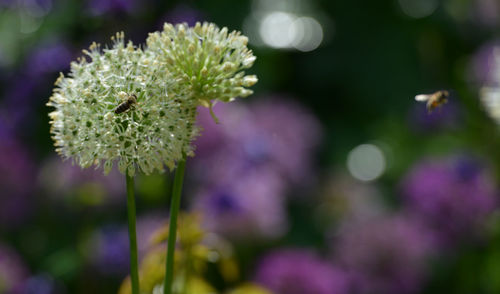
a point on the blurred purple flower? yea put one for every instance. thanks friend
(109, 246)
(285, 133)
(245, 163)
(16, 183)
(17, 106)
(244, 208)
(182, 13)
(110, 250)
(42, 284)
(385, 255)
(297, 271)
(448, 116)
(48, 58)
(22, 95)
(60, 179)
(13, 272)
(273, 133)
(100, 7)
(453, 196)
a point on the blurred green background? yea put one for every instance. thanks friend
(340, 153)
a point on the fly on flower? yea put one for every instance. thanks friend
(434, 100)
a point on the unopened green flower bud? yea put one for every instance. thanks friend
(209, 56)
(249, 81)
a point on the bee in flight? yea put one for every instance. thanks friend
(434, 100)
(127, 104)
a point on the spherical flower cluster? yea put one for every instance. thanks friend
(206, 60)
(297, 271)
(155, 128)
(452, 195)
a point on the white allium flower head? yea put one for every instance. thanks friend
(207, 61)
(151, 133)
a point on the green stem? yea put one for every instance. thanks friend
(134, 272)
(172, 233)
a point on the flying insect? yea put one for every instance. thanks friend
(434, 100)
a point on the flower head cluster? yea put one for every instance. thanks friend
(453, 195)
(96, 122)
(138, 107)
(206, 60)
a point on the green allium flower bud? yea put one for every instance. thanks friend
(121, 106)
(205, 60)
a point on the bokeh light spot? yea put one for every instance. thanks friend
(275, 29)
(307, 34)
(418, 8)
(366, 162)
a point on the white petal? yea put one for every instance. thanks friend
(422, 97)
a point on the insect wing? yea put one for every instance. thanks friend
(422, 97)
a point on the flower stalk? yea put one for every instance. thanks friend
(134, 272)
(172, 233)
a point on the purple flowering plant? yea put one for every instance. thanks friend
(453, 196)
